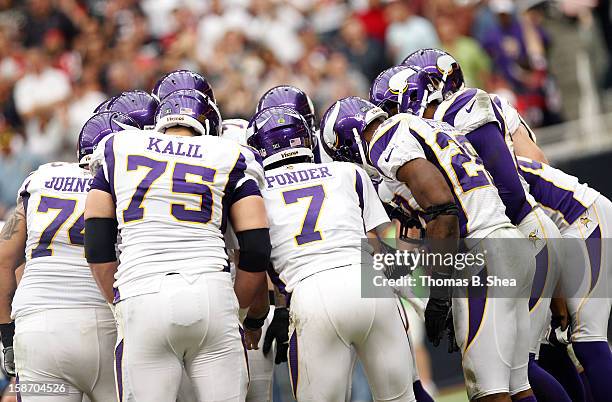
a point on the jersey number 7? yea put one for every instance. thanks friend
(309, 223)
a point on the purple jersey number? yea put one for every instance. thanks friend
(66, 209)
(180, 185)
(135, 211)
(463, 155)
(317, 195)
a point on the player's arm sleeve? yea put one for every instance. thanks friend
(497, 159)
(393, 148)
(100, 167)
(372, 210)
(247, 176)
(531, 171)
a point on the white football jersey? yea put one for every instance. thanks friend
(172, 197)
(235, 129)
(56, 272)
(405, 137)
(319, 214)
(472, 108)
(563, 197)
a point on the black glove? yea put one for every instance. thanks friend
(436, 319)
(452, 341)
(7, 331)
(279, 331)
(556, 336)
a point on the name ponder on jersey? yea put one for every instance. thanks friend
(298, 176)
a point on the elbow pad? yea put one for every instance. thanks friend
(434, 211)
(100, 240)
(255, 249)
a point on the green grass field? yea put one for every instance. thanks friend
(455, 395)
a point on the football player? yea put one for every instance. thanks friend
(260, 360)
(169, 193)
(319, 214)
(139, 105)
(433, 87)
(65, 331)
(428, 158)
(296, 99)
(584, 216)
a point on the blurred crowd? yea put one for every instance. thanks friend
(60, 58)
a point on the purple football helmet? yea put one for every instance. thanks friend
(342, 130)
(420, 90)
(291, 97)
(99, 126)
(389, 88)
(182, 79)
(442, 67)
(137, 104)
(279, 133)
(189, 108)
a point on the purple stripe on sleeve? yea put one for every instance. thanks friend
(255, 153)
(594, 250)
(119, 370)
(497, 159)
(539, 279)
(293, 362)
(247, 189)
(359, 189)
(109, 156)
(100, 183)
(378, 147)
(235, 175)
(457, 105)
(551, 196)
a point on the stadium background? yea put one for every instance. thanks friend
(60, 58)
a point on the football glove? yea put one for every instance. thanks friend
(556, 335)
(436, 318)
(452, 341)
(8, 368)
(278, 330)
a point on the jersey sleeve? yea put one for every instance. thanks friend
(392, 147)
(23, 194)
(102, 165)
(511, 115)
(373, 212)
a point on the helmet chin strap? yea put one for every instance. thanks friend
(370, 170)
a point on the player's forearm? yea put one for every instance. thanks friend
(247, 285)
(443, 233)
(8, 285)
(261, 302)
(104, 274)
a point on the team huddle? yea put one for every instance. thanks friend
(183, 255)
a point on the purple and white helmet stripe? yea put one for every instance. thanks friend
(342, 130)
(441, 66)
